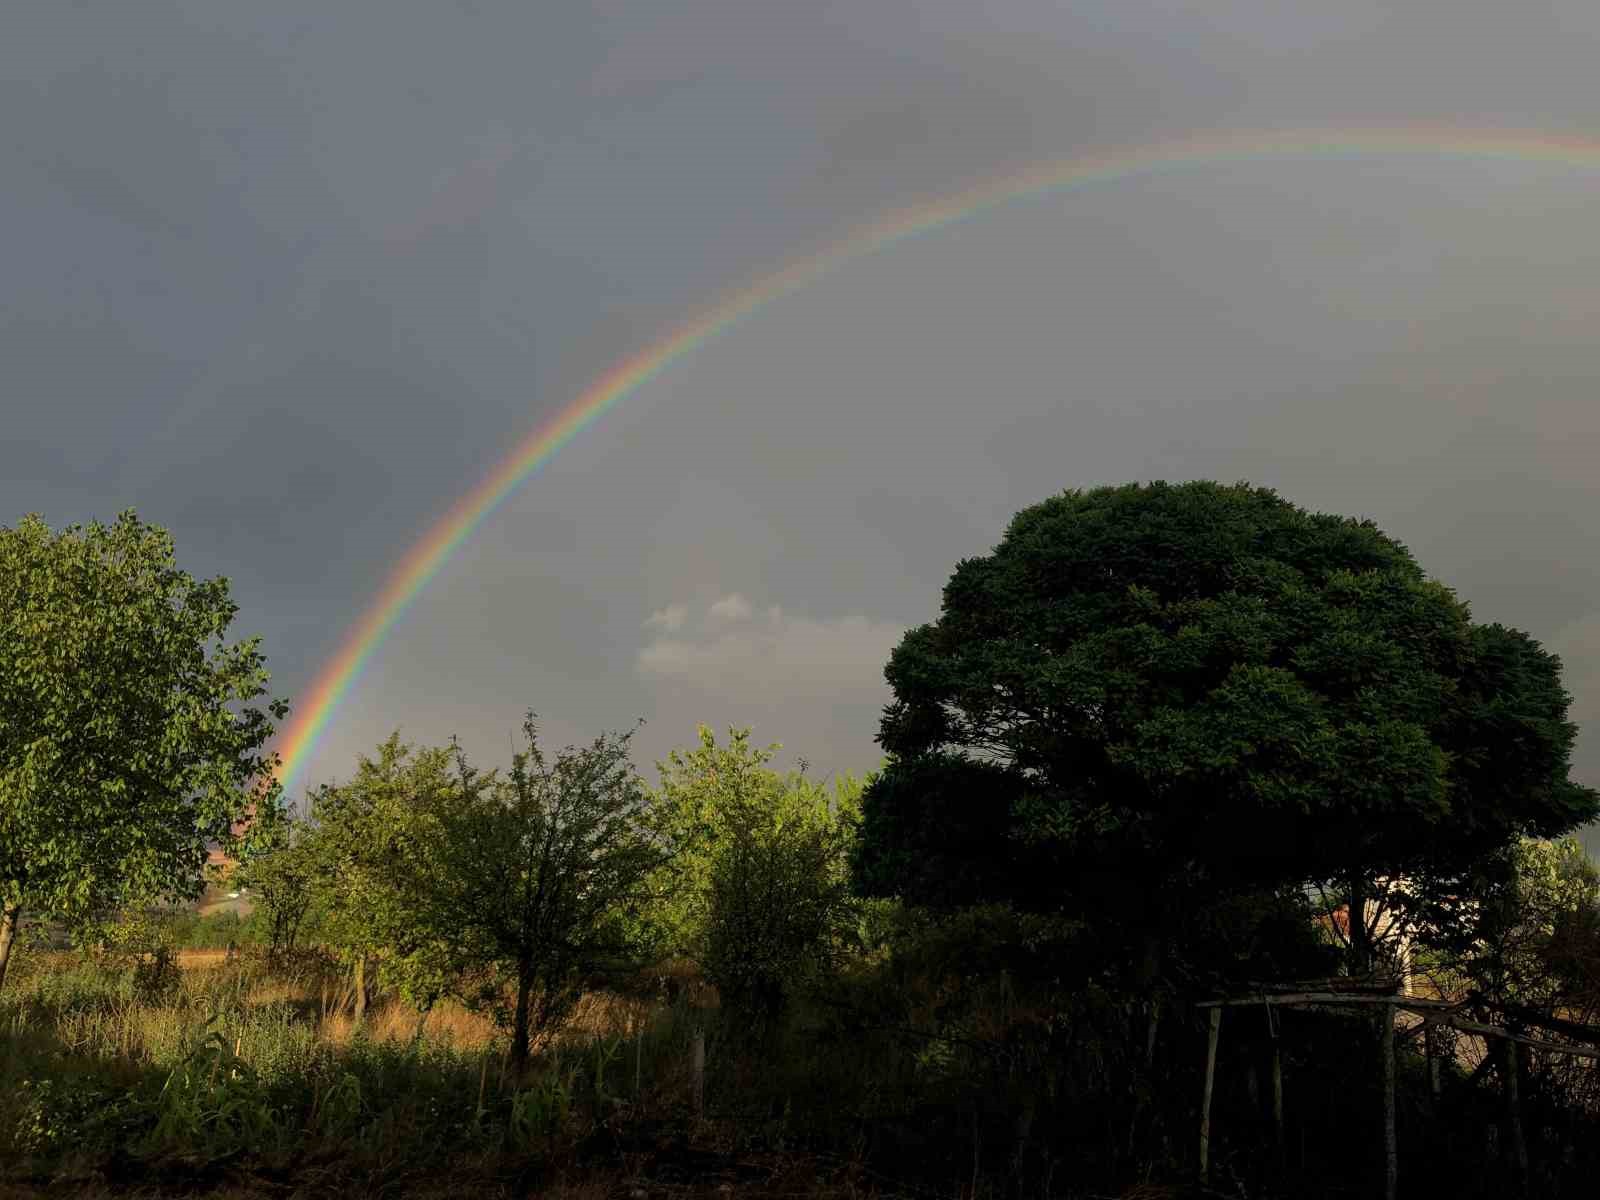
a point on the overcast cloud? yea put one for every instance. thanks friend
(290, 278)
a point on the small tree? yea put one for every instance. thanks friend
(758, 892)
(127, 740)
(375, 852)
(543, 872)
(278, 862)
(1505, 929)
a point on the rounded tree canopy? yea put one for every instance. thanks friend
(127, 740)
(1205, 684)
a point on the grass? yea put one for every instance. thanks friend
(234, 1072)
(934, 1073)
(240, 1078)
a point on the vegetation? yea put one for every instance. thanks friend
(758, 894)
(1185, 692)
(540, 873)
(1165, 743)
(127, 741)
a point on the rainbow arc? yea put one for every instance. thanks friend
(429, 553)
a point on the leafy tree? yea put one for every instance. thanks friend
(1199, 689)
(127, 740)
(278, 863)
(375, 854)
(543, 872)
(1506, 929)
(758, 891)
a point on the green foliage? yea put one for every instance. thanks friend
(372, 862)
(1520, 927)
(543, 874)
(757, 893)
(1198, 688)
(699, 794)
(777, 908)
(938, 830)
(281, 865)
(127, 740)
(218, 931)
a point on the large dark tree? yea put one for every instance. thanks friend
(1181, 691)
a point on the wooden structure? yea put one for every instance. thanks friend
(1386, 996)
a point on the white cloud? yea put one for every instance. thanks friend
(777, 653)
(732, 607)
(670, 618)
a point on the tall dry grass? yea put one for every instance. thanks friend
(236, 1061)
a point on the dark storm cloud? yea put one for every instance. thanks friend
(290, 278)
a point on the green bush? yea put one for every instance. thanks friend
(778, 912)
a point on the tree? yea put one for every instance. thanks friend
(127, 740)
(377, 856)
(544, 872)
(278, 864)
(1198, 689)
(1506, 929)
(757, 892)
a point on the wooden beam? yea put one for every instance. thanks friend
(1291, 999)
(1537, 1043)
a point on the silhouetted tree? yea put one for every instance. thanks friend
(1153, 694)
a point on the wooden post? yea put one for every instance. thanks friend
(1277, 1099)
(1205, 1100)
(698, 1072)
(1391, 1165)
(1430, 1040)
(1519, 1146)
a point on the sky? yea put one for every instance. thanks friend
(290, 279)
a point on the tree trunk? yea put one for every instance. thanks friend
(8, 936)
(1147, 983)
(1360, 942)
(361, 989)
(519, 1032)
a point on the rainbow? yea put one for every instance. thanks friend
(430, 552)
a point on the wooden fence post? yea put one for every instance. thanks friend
(1519, 1145)
(1430, 1039)
(698, 1072)
(1277, 1098)
(1205, 1100)
(1391, 1164)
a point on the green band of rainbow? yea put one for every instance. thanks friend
(434, 548)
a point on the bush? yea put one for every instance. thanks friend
(778, 909)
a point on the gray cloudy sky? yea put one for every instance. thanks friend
(291, 277)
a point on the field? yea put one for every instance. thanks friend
(245, 1079)
(235, 1077)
